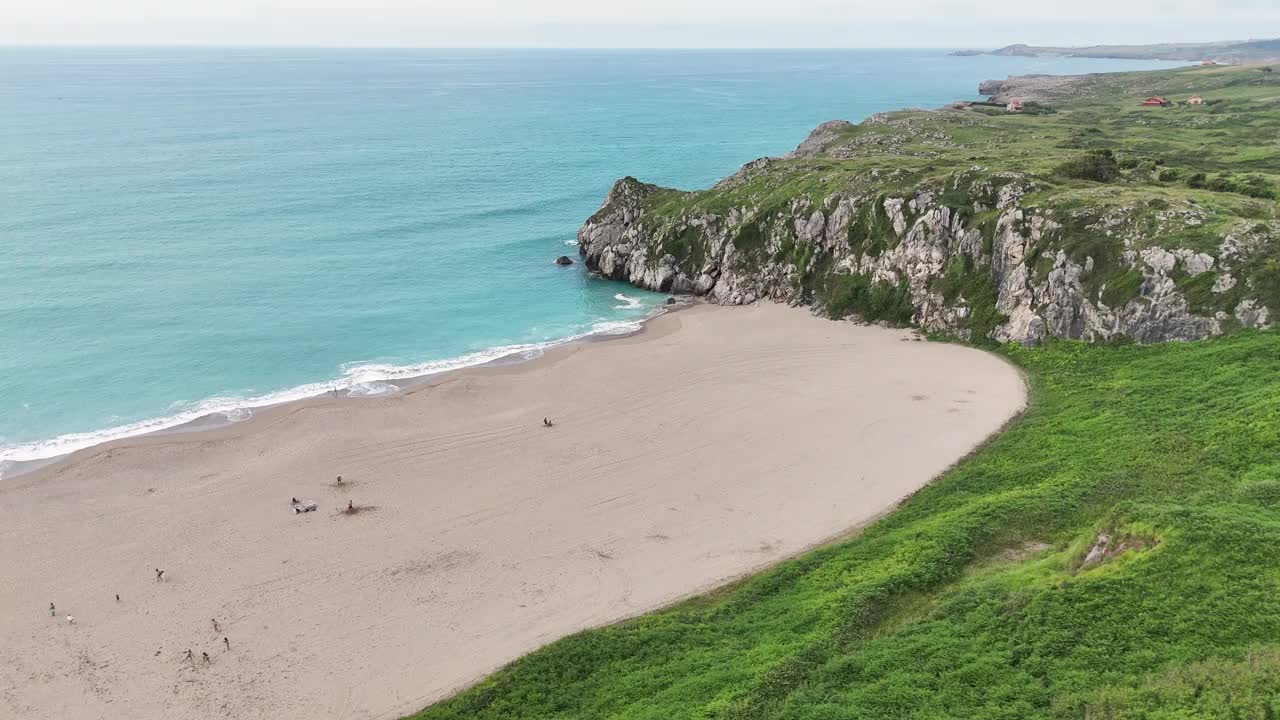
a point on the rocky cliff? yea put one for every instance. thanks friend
(869, 220)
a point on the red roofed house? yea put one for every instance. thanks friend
(1155, 102)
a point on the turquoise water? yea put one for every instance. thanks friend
(186, 230)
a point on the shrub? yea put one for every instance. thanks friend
(1197, 180)
(1097, 165)
(1168, 175)
(1222, 183)
(854, 294)
(1256, 186)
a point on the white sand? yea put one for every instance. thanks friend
(714, 443)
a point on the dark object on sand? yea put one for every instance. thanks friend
(564, 260)
(307, 506)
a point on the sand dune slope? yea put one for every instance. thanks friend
(716, 442)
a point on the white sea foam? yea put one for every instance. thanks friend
(359, 379)
(631, 303)
(570, 242)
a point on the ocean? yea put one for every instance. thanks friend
(186, 232)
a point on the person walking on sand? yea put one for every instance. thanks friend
(227, 641)
(159, 575)
(189, 655)
(351, 506)
(339, 480)
(70, 620)
(205, 655)
(117, 597)
(546, 422)
(52, 611)
(215, 625)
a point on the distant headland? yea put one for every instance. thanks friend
(1229, 51)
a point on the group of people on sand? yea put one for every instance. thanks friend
(160, 577)
(204, 655)
(301, 506)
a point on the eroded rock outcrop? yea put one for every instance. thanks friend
(988, 266)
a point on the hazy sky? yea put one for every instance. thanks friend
(632, 23)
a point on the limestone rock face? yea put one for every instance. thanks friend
(1042, 286)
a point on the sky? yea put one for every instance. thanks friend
(644, 24)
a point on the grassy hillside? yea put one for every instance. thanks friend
(974, 600)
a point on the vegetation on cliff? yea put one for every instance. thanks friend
(1114, 554)
(1161, 222)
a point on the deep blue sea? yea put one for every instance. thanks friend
(186, 231)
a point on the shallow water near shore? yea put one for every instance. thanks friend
(195, 231)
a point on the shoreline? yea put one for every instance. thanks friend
(249, 408)
(713, 443)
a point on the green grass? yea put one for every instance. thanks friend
(971, 600)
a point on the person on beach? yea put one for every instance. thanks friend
(215, 625)
(294, 501)
(159, 575)
(52, 611)
(351, 506)
(227, 641)
(70, 620)
(117, 597)
(546, 422)
(189, 656)
(339, 480)
(205, 655)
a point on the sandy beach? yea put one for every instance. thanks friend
(714, 443)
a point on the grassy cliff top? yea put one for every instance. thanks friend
(1216, 155)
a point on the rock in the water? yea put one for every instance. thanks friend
(671, 301)
(564, 260)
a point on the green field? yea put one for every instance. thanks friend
(974, 598)
(971, 600)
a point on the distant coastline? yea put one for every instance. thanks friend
(1231, 51)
